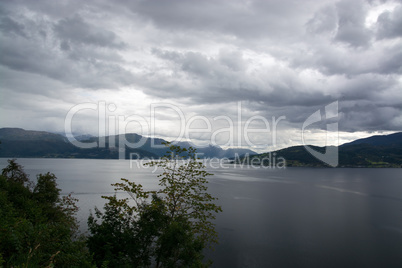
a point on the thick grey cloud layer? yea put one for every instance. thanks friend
(390, 24)
(279, 58)
(75, 30)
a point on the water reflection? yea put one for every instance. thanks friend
(298, 217)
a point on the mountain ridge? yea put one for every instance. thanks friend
(374, 151)
(390, 139)
(17, 142)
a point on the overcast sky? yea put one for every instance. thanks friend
(217, 61)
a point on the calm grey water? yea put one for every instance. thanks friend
(298, 217)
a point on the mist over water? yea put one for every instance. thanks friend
(297, 217)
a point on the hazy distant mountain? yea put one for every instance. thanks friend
(17, 142)
(28, 135)
(77, 136)
(375, 151)
(148, 144)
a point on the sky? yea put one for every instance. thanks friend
(255, 74)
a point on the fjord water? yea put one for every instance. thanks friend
(297, 217)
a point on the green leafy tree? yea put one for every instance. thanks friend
(125, 238)
(37, 227)
(165, 228)
(184, 187)
(14, 172)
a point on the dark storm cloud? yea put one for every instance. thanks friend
(278, 58)
(76, 30)
(370, 116)
(339, 61)
(390, 24)
(213, 78)
(391, 62)
(243, 19)
(219, 81)
(324, 21)
(68, 50)
(285, 94)
(10, 26)
(351, 28)
(24, 57)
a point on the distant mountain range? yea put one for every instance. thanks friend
(375, 151)
(17, 142)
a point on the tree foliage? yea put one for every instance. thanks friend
(15, 173)
(37, 227)
(165, 228)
